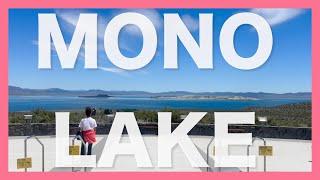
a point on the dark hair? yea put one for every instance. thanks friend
(88, 111)
(94, 111)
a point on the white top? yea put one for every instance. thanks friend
(87, 124)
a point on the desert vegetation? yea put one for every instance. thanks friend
(292, 115)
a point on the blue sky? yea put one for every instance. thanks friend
(288, 69)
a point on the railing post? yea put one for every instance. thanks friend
(26, 147)
(25, 151)
(264, 157)
(208, 147)
(82, 143)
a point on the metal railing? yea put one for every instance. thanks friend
(264, 157)
(208, 148)
(248, 153)
(82, 143)
(26, 147)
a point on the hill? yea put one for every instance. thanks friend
(18, 91)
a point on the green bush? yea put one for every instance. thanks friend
(293, 115)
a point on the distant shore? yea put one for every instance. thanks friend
(19, 91)
(63, 103)
(183, 97)
(193, 97)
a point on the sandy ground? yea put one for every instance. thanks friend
(288, 155)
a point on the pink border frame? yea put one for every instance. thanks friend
(6, 4)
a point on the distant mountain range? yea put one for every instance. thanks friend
(18, 91)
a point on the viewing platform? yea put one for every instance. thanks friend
(289, 155)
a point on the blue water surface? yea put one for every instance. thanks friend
(54, 103)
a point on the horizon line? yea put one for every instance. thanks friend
(162, 91)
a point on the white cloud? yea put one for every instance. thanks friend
(157, 20)
(152, 14)
(190, 22)
(71, 18)
(35, 42)
(275, 16)
(114, 70)
(81, 54)
(123, 72)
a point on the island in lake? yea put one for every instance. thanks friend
(191, 97)
(96, 96)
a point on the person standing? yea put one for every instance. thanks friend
(88, 127)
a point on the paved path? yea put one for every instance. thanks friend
(289, 155)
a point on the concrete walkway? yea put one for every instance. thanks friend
(289, 155)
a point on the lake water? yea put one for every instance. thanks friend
(28, 103)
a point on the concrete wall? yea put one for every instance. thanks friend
(152, 128)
